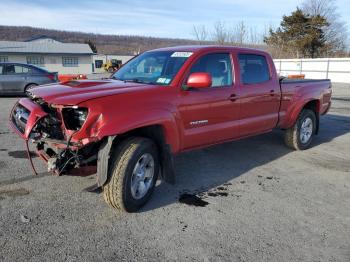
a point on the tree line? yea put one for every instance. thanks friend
(313, 30)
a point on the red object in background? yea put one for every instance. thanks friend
(69, 77)
(301, 76)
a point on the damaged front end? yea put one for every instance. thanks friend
(53, 130)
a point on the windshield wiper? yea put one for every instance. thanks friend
(134, 80)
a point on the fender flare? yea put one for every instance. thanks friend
(295, 112)
(168, 139)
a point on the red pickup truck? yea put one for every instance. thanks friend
(161, 103)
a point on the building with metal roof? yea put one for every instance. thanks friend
(53, 55)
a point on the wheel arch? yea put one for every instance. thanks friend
(29, 84)
(155, 132)
(312, 104)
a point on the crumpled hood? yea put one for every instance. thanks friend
(75, 92)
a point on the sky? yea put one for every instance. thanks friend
(158, 18)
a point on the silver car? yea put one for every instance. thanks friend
(16, 78)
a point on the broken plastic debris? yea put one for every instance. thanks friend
(25, 219)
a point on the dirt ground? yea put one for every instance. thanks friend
(265, 203)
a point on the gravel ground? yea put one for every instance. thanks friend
(265, 203)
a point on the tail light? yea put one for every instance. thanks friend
(52, 77)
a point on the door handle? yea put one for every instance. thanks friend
(272, 92)
(233, 97)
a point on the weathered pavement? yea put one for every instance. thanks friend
(266, 203)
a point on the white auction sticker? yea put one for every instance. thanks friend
(181, 54)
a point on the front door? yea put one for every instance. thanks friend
(210, 115)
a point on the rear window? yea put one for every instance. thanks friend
(254, 69)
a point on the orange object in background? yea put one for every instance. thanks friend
(301, 76)
(69, 77)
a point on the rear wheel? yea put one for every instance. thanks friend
(133, 174)
(29, 87)
(299, 136)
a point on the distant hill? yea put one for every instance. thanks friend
(106, 44)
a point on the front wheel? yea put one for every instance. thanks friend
(133, 174)
(299, 136)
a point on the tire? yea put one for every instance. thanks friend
(299, 137)
(29, 87)
(125, 162)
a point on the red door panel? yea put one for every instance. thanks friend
(208, 116)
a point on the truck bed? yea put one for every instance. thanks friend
(285, 80)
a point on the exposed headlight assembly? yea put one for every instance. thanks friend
(74, 118)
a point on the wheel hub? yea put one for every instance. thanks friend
(306, 130)
(142, 176)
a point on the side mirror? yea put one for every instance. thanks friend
(199, 80)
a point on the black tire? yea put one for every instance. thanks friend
(117, 191)
(27, 87)
(293, 136)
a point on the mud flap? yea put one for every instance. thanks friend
(168, 173)
(102, 161)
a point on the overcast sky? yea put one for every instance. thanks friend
(160, 18)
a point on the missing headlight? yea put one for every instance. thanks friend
(74, 118)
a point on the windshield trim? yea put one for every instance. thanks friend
(142, 81)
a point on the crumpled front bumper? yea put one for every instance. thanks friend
(24, 116)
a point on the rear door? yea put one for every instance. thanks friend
(258, 92)
(209, 115)
(14, 78)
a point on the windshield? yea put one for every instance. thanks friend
(158, 67)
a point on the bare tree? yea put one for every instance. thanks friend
(336, 33)
(220, 34)
(238, 34)
(241, 31)
(254, 38)
(200, 33)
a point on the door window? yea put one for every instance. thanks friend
(218, 66)
(98, 63)
(253, 68)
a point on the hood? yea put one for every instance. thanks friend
(75, 92)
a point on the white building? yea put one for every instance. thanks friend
(100, 59)
(55, 56)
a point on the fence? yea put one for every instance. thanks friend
(336, 69)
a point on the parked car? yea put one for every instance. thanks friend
(16, 78)
(161, 103)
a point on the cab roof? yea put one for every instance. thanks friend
(199, 48)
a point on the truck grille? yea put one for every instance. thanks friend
(20, 116)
